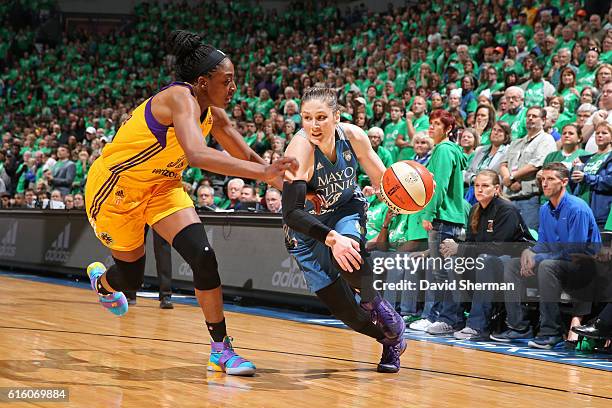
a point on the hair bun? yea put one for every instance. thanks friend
(184, 43)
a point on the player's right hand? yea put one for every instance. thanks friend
(345, 251)
(278, 168)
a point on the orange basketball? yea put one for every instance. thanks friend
(407, 187)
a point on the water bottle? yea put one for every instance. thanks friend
(578, 167)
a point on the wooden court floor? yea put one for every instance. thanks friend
(58, 336)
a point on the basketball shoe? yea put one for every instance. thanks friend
(390, 360)
(224, 358)
(116, 302)
(384, 316)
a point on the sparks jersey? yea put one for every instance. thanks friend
(146, 151)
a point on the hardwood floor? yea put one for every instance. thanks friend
(58, 336)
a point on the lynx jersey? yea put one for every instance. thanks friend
(336, 182)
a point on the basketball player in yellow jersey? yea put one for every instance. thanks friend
(137, 181)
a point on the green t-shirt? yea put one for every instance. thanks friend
(485, 138)
(608, 226)
(421, 124)
(392, 130)
(591, 167)
(534, 95)
(559, 157)
(570, 101)
(516, 122)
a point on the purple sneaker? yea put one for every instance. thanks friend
(390, 360)
(224, 358)
(385, 317)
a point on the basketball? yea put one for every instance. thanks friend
(407, 187)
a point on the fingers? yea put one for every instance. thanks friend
(344, 264)
(354, 260)
(292, 162)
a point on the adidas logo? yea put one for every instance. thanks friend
(59, 248)
(290, 277)
(319, 166)
(8, 246)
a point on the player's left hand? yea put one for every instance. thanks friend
(317, 200)
(369, 191)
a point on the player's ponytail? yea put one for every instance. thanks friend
(193, 58)
(183, 43)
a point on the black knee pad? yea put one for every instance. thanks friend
(126, 276)
(192, 244)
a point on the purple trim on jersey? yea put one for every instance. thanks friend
(154, 126)
(177, 83)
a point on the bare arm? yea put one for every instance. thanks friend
(234, 144)
(303, 151)
(525, 171)
(366, 156)
(185, 113)
(230, 139)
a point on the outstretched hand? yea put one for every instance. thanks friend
(278, 168)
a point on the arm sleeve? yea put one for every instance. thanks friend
(294, 215)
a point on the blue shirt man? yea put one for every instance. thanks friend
(568, 232)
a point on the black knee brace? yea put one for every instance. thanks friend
(341, 302)
(362, 278)
(192, 244)
(126, 276)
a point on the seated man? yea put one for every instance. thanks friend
(567, 227)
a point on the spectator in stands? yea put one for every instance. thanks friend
(273, 200)
(57, 201)
(63, 172)
(30, 198)
(423, 145)
(592, 181)
(5, 200)
(205, 199)
(570, 149)
(79, 201)
(395, 132)
(521, 163)
(552, 115)
(19, 201)
(492, 221)
(567, 226)
(604, 114)
(469, 141)
(516, 113)
(249, 201)
(484, 121)
(487, 157)
(234, 190)
(537, 89)
(444, 217)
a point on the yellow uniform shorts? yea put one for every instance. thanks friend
(119, 207)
